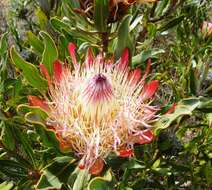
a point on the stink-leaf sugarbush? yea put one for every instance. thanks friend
(125, 105)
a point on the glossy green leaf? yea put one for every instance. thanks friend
(124, 39)
(81, 179)
(78, 179)
(145, 55)
(99, 183)
(58, 24)
(184, 107)
(56, 173)
(35, 42)
(47, 137)
(156, 164)
(32, 114)
(50, 53)
(48, 181)
(30, 72)
(209, 118)
(6, 185)
(132, 164)
(37, 117)
(205, 104)
(101, 13)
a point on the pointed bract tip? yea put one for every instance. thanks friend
(89, 58)
(71, 48)
(150, 89)
(97, 167)
(45, 73)
(57, 71)
(146, 137)
(124, 60)
(126, 153)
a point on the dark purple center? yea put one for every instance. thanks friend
(100, 78)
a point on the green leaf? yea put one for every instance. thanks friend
(184, 107)
(42, 18)
(132, 164)
(101, 13)
(124, 39)
(32, 114)
(48, 181)
(27, 148)
(152, 30)
(78, 179)
(56, 173)
(6, 185)
(81, 179)
(50, 53)
(209, 118)
(11, 164)
(59, 25)
(30, 72)
(47, 137)
(208, 172)
(7, 137)
(99, 183)
(145, 55)
(35, 42)
(37, 117)
(3, 44)
(171, 23)
(205, 104)
(156, 164)
(73, 3)
(161, 7)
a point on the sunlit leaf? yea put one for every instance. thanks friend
(30, 72)
(50, 53)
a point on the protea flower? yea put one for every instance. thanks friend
(99, 108)
(117, 8)
(206, 28)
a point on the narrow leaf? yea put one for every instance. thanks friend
(30, 72)
(101, 12)
(50, 53)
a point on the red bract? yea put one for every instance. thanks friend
(125, 153)
(57, 71)
(150, 89)
(146, 137)
(97, 167)
(172, 108)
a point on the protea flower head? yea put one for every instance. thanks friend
(117, 8)
(206, 28)
(98, 107)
